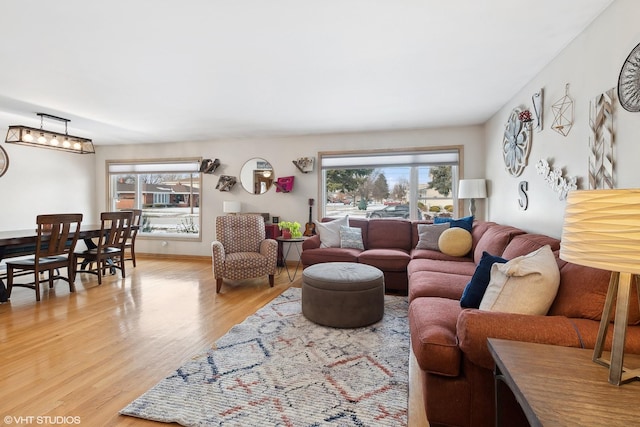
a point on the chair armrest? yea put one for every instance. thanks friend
(312, 242)
(269, 249)
(475, 326)
(218, 256)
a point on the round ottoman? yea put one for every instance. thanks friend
(342, 294)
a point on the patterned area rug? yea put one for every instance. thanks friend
(279, 369)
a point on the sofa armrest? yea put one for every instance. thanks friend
(312, 242)
(475, 326)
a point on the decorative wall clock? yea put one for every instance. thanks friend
(516, 143)
(4, 161)
(629, 82)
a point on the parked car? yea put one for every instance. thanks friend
(393, 211)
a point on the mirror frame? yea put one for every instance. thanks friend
(254, 169)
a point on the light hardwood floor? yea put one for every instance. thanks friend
(88, 354)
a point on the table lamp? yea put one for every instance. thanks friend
(231, 207)
(472, 189)
(602, 230)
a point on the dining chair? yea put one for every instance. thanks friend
(130, 246)
(55, 243)
(110, 249)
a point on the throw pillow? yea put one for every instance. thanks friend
(428, 235)
(466, 222)
(474, 291)
(329, 232)
(527, 284)
(351, 237)
(455, 241)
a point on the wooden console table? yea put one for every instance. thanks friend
(562, 386)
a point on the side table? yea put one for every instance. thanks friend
(562, 386)
(289, 243)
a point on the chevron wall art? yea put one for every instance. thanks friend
(601, 162)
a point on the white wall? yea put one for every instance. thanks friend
(279, 152)
(591, 65)
(41, 181)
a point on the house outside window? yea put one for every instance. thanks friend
(167, 191)
(411, 184)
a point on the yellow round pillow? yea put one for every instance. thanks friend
(455, 241)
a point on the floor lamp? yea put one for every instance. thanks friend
(602, 230)
(472, 189)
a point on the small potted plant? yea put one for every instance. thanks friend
(290, 229)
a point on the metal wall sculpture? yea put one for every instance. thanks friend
(563, 113)
(601, 164)
(555, 180)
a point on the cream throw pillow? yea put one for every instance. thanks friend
(329, 232)
(527, 284)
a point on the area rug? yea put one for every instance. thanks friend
(279, 369)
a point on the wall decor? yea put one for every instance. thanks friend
(226, 183)
(209, 166)
(523, 201)
(284, 184)
(4, 161)
(601, 166)
(516, 142)
(304, 164)
(538, 104)
(562, 111)
(553, 177)
(629, 82)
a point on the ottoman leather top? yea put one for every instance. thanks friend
(344, 276)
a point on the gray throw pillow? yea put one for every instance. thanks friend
(428, 235)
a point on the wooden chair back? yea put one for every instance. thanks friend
(57, 234)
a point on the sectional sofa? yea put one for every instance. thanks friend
(449, 341)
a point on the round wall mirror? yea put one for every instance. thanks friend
(257, 176)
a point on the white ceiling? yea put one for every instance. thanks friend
(137, 71)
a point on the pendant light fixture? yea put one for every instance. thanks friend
(25, 135)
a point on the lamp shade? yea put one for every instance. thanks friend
(231, 206)
(472, 189)
(602, 230)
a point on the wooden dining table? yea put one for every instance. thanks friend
(18, 243)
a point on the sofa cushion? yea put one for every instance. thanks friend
(351, 237)
(385, 259)
(495, 240)
(475, 289)
(432, 324)
(466, 222)
(463, 266)
(389, 233)
(527, 284)
(329, 232)
(523, 244)
(583, 291)
(455, 241)
(316, 256)
(436, 284)
(428, 235)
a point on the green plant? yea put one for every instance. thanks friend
(292, 226)
(434, 208)
(449, 208)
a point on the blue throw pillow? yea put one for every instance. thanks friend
(475, 289)
(466, 222)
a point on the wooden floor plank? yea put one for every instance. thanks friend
(88, 354)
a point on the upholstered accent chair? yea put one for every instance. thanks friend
(241, 250)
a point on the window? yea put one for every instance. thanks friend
(414, 184)
(167, 191)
